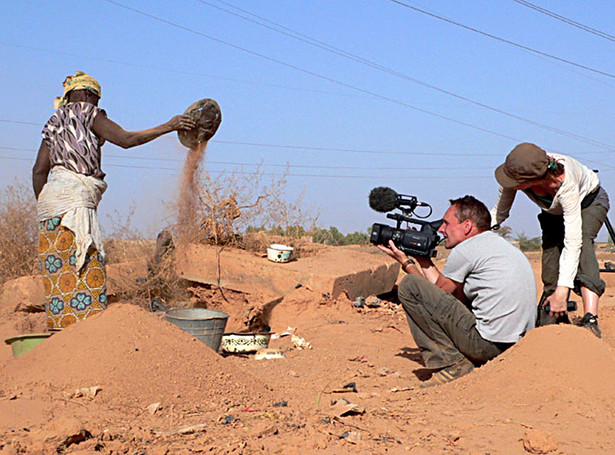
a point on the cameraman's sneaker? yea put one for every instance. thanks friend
(449, 374)
(590, 322)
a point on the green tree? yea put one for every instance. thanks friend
(505, 232)
(333, 236)
(528, 244)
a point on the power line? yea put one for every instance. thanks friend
(566, 20)
(170, 70)
(278, 28)
(318, 149)
(272, 174)
(264, 164)
(328, 149)
(210, 76)
(503, 40)
(345, 54)
(286, 166)
(311, 73)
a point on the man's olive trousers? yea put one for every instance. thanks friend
(443, 328)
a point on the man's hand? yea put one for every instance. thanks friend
(394, 252)
(558, 301)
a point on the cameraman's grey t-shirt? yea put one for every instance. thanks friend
(499, 282)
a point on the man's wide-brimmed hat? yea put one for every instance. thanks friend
(524, 163)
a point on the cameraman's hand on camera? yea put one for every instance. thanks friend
(408, 264)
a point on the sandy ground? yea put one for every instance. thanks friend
(128, 382)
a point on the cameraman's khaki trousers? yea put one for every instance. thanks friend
(443, 328)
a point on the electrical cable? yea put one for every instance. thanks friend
(312, 73)
(366, 62)
(272, 174)
(288, 165)
(353, 57)
(503, 40)
(323, 149)
(566, 20)
(170, 70)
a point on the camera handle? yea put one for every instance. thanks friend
(401, 218)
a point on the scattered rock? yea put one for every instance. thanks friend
(350, 387)
(25, 294)
(190, 429)
(539, 442)
(154, 408)
(300, 343)
(383, 371)
(61, 433)
(87, 392)
(354, 437)
(342, 408)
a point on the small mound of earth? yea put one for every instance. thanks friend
(545, 393)
(551, 363)
(137, 358)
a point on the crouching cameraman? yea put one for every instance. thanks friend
(482, 302)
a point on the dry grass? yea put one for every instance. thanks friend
(125, 242)
(226, 206)
(18, 232)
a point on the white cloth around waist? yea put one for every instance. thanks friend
(75, 198)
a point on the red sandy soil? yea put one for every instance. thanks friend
(553, 392)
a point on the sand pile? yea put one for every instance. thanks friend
(137, 358)
(552, 364)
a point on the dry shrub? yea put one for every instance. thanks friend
(125, 242)
(18, 232)
(215, 211)
(230, 203)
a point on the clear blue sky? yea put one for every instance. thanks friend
(343, 127)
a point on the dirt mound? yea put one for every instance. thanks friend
(549, 364)
(546, 391)
(137, 358)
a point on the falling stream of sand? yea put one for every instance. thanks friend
(188, 193)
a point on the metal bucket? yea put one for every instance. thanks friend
(206, 325)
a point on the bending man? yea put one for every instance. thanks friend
(482, 302)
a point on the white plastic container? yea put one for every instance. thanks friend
(279, 253)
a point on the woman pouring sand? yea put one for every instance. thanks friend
(68, 183)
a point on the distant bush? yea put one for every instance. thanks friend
(333, 236)
(528, 244)
(18, 232)
(505, 232)
(288, 231)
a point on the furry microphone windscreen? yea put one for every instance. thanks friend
(383, 199)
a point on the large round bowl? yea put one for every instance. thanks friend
(208, 116)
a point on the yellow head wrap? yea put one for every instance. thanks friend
(79, 81)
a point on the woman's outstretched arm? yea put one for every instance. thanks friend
(109, 130)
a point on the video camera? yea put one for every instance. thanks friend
(420, 243)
